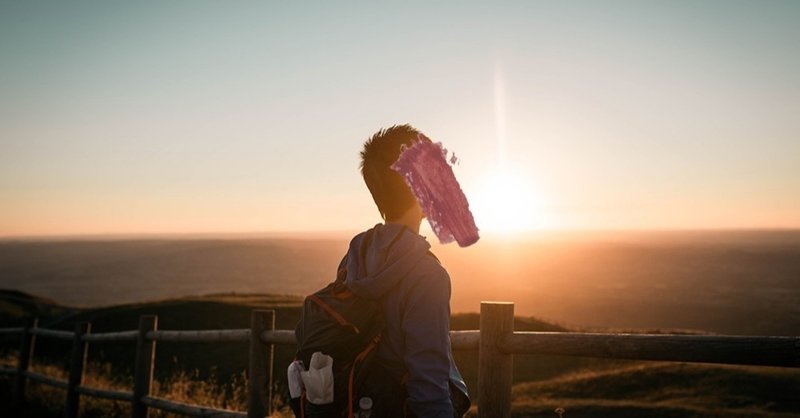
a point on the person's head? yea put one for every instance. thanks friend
(389, 191)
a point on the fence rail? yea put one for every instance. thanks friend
(496, 343)
(190, 410)
(51, 333)
(111, 337)
(209, 336)
(52, 381)
(114, 395)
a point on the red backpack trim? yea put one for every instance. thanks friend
(359, 358)
(332, 312)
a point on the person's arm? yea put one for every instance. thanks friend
(426, 324)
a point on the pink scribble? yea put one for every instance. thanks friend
(424, 168)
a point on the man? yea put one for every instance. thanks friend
(392, 263)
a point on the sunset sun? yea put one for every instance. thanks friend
(505, 202)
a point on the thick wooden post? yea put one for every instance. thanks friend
(143, 372)
(495, 367)
(259, 370)
(77, 363)
(26, 345)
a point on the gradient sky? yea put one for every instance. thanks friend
(169, 117)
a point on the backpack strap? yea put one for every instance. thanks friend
(403, 383)
(303, 404)
(359, 358)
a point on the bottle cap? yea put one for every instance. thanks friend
(365, 403)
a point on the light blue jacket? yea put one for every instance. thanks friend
(393, 264)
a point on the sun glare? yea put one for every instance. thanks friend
(505, 203)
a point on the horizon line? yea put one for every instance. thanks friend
(336, 233)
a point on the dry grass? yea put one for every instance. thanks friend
(655, 389)
(666, 390)
(186, 387)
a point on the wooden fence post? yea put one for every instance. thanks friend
(26, 345)
(143, 373)
(77, 363)
(495, 367)
(259, 369)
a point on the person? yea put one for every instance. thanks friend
(392, 262)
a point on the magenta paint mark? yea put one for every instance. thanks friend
(453, 159)
(424, 167)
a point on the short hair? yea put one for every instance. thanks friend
(389, 191)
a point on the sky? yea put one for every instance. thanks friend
(205, 116)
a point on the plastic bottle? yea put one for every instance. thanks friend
(365, 407)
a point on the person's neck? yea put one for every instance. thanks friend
(408, 219)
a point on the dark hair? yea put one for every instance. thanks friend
(389, 191)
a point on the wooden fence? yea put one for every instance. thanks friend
(496, 342)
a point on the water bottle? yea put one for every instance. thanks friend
(365, 407)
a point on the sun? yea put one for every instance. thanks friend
(506, 202)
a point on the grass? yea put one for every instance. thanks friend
(665, 390)
(188, 387)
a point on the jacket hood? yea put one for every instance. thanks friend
(382, 256)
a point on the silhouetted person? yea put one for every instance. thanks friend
(392, 263)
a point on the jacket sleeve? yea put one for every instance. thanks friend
(426, 325)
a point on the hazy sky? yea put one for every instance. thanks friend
(134, 117)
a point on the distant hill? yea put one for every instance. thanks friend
(15, 306)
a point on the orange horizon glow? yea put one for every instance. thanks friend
(218, 120)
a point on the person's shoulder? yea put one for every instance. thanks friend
(430, 270)
(430, 261)
(428, 286)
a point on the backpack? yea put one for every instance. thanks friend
(348, 328)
